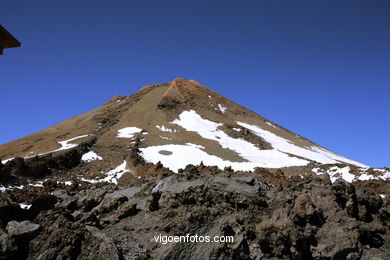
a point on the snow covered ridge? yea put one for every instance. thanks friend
(90, 156)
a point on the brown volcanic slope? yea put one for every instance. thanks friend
(160, 105)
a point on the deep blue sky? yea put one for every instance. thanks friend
(318, 68)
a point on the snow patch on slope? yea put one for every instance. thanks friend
(270, 124)
(128, 132)
(65, 145)
(7, 160)
(337, 172)
(313, 153)
(222, 108)
(278, 157)
(382, 175)
(181, 155)
(191, 121)
(165, 129)
(90, 156)
(337, 157)
(112, 176)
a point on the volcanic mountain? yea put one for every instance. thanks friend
(178, 159)
(179, 123)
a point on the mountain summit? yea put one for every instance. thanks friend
(182, 122)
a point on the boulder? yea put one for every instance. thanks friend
(106, 247)
(8, 247)
(25, 229)
(91, 199)
(109, 204)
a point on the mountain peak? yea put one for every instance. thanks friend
(178, 82)
(178, 123)
(181, 82)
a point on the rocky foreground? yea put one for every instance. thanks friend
(301, 218)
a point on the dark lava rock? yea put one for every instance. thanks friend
(34, 167)
(8, 246)
(9, 210)
(106, 248)
(41, 204)
(25, 229)
(309, 219)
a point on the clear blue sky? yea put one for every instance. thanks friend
(318, 68)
